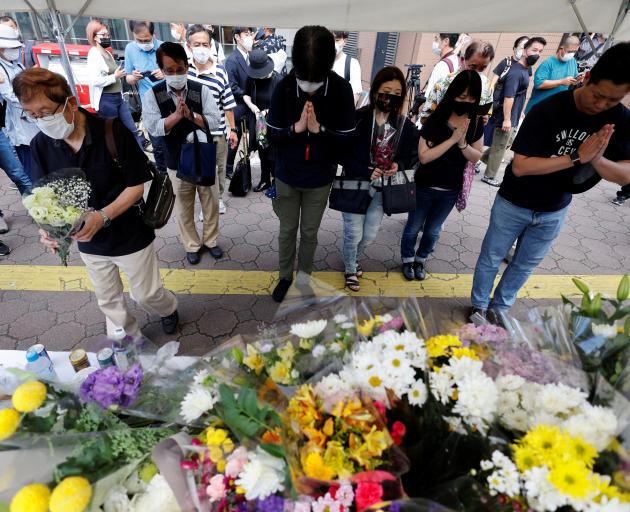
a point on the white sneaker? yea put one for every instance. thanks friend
(222, 207)
(4, 228)
(200, 216)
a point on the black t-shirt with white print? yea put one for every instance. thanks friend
(555, 128)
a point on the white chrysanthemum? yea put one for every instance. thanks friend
(541, 494)
(117, 500)
(559, 399)
(262, 476)
(609, 505)
(417, 394)
(198, 401)
(605, 330)
(596, 425)
(340, 319)
(158, 497)
(319, 350)
(477, 398)
(441, 385)
(510, 382)
(201, 376)
(332, 389)
(308, 330)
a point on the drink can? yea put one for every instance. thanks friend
(105, 357)
(40, 350)
(79, 359)
(121, 354)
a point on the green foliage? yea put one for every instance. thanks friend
(624, 288)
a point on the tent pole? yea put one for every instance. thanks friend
(582, 24)
(79, 14)
(58, 32)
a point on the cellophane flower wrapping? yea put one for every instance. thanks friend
(57, 204)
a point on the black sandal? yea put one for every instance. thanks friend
(352, 282)
(359, 270)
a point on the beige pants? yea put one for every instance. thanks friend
(185, 212)
(145, 287)
(222, 151)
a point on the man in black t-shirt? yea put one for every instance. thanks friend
(509, 106)
(113, 235)
(566, 144)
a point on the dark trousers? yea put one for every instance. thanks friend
(159, 153)
(267, 164)
(113, 105)
(24, 154)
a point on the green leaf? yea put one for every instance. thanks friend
(596, 304)
(586, 305)
(566, 301)
(237, 354)
(581, 285)
(626, 326)
(250, 402)
(227, 396)
(624, 288)
(274, 449)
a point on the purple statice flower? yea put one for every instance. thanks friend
(492, 335)
(270, 504)
(109, 386)
(395, 324)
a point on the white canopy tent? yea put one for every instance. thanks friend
(607, 16)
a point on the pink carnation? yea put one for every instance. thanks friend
(216, 490)
(235, 462)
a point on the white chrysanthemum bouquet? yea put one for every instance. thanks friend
(57, 205)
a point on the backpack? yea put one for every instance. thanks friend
(448, 62)
(158, 207)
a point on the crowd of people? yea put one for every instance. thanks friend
(315, 131)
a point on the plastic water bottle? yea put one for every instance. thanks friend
(40, 366)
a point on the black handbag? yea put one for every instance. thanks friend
(198, 161)
(399, 196)
(241, 182)
(350, 195)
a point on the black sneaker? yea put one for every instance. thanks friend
(4, 249)
(475, 313)
(216, 252)
(4, 228)
(494, 316)
(281, 289)
(619, 200)
(418, 271)
(170, 322)
(491, 181)
(408, 271)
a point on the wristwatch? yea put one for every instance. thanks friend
(575, 158)
(106, 220)
(234, 130)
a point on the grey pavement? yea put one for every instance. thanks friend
(594, 240)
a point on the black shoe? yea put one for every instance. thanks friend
(170, 322)
(262, 186)
(229, 172)
(618, 201)
(281, 289)
(475, 312)
(193, 257)
(495, 317)
(491, 181)
(216, 252)
(4, 249)
(419, 272)
(407, 271)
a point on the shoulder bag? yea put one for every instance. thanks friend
(399, 193)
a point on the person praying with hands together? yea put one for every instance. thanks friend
(311, 114)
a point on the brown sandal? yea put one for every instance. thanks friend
(352, 282)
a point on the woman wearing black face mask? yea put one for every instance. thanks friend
(450, 138)
(104, 75)
(380, 125)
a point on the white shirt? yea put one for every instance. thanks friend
(19, 128)
(440, 71)
(244, 54)
(339, 67)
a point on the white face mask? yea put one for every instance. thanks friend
(436, 48)
(11, 54)
(518, 54)
(177, 82)
(248, 43)
(147, 47)
(175, 34)
(308, 86)
(201, 54)
(567, 57)
(56, 126)
(338, 47)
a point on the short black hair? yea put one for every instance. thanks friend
(195, 29)
(483, 48)
(138, 25)
(313, 53)
(612, 65)
(237, 31)
(4, 19)
(518, 40)
(173, 50)
(535, 39)
(341, 33)
(452, 38)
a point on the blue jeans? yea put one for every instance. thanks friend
(159, 153)
(535, 232)
(360, 230)
(24, 154)
(433, 206)
(11, 164)
(113, 105)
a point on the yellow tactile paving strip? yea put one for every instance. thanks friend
(249, 282)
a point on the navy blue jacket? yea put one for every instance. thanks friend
(236, 67)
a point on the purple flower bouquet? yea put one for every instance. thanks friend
(111, 387)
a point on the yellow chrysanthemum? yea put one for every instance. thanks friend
(548, 442)
(280, 372)
(525, 458)
(73, 494)
(315, 467)
(29, 396)
(31, 498)
(219, 438)
(254, 360)
(366, 327)
(582, 451)
(438, 346)
(9, 422)
(287, 353)
(460, 352)
(572, 478)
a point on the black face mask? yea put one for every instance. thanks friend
(530, 60)
(106, 42)
(388, 102)
(462, 108)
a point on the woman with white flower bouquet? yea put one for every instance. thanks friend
(57, 203)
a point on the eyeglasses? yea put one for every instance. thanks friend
(32, 116)
(102, 34)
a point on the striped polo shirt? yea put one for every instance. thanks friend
(217, 79)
